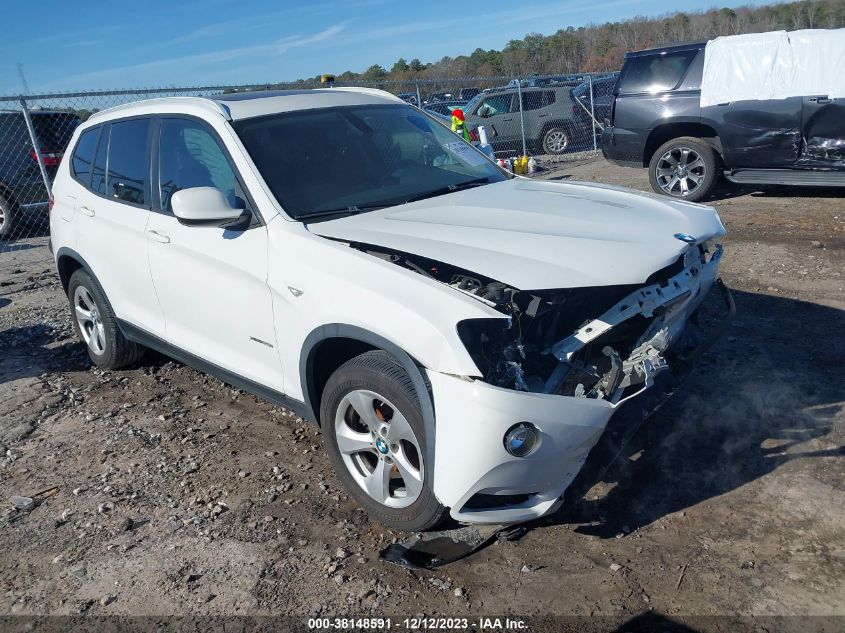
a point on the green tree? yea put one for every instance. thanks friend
(374, 73)
(401, 66)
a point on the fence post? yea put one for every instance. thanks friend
(521, 117)
(593, 118)
(419, 98)
(36, 146)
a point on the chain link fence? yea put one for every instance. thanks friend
(549, 118)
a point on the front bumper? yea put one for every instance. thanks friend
(482, 483)
(470, 457)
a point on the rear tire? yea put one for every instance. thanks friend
(8, 219)
(374, 434)
(96, 324)
(685, 168)
(556, 140)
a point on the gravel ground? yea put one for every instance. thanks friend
(161, 491)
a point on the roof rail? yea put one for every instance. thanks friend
(369, 91)
(213, 104)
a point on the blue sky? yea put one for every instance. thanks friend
(78, 46)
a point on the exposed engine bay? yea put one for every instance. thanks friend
(604, 342)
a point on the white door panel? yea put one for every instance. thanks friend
(212, 285)
(110, 228)
(111, 237)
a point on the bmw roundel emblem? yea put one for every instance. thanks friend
(381, 445)
(685, 237)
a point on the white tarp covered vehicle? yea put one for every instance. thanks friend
(775, 65)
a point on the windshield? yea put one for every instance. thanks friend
(335, 161)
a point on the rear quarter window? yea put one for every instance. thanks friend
(655, 73)
(83, 156)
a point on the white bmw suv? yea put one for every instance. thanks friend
(461, 336)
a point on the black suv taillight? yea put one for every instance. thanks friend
(51, 159)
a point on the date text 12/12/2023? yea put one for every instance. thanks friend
(419, 624)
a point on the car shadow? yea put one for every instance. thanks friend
(752, 405)
(726, 190)
(31, 351)
(654, 621)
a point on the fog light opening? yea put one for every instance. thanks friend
(522, 439)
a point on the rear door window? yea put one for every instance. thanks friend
(655, 73)
(537, 99)
(83, 155)
(129, 166)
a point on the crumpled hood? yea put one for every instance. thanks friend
(537, 235)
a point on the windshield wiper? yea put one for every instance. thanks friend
(450, 189)
(351, 210)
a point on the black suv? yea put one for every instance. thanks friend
(22, 190)
(656, 121)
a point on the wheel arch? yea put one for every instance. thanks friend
(668, 131)
(7, 195)
(329, 346)
(68, 261)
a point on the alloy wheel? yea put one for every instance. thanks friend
(379, 448)
(680, 171)
(555, 142)
(88, 317)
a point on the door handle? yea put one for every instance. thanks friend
(159, 237)
(510, 119)
(540, 116)
(87, 211)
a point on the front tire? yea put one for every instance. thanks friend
(375, 437)
(685, 168)
(96, 324)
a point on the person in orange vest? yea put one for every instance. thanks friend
(459, 127)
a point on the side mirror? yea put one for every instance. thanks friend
(203, 204)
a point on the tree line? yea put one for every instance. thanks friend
(601, 47)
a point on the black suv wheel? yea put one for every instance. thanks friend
(684, 167)
(7, 218)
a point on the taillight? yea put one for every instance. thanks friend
(473, 135)
(50, 202)
(51, 159)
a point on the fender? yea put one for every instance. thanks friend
(64, 251)
(415, 372)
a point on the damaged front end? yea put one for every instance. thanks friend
(605, 342)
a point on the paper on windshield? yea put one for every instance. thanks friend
(775, 65)
(464, 152)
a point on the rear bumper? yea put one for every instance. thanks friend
(472, 467)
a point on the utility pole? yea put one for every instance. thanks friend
(23, 79)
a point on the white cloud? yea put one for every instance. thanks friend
(125, 74)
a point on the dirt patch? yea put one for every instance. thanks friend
(177, 494)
